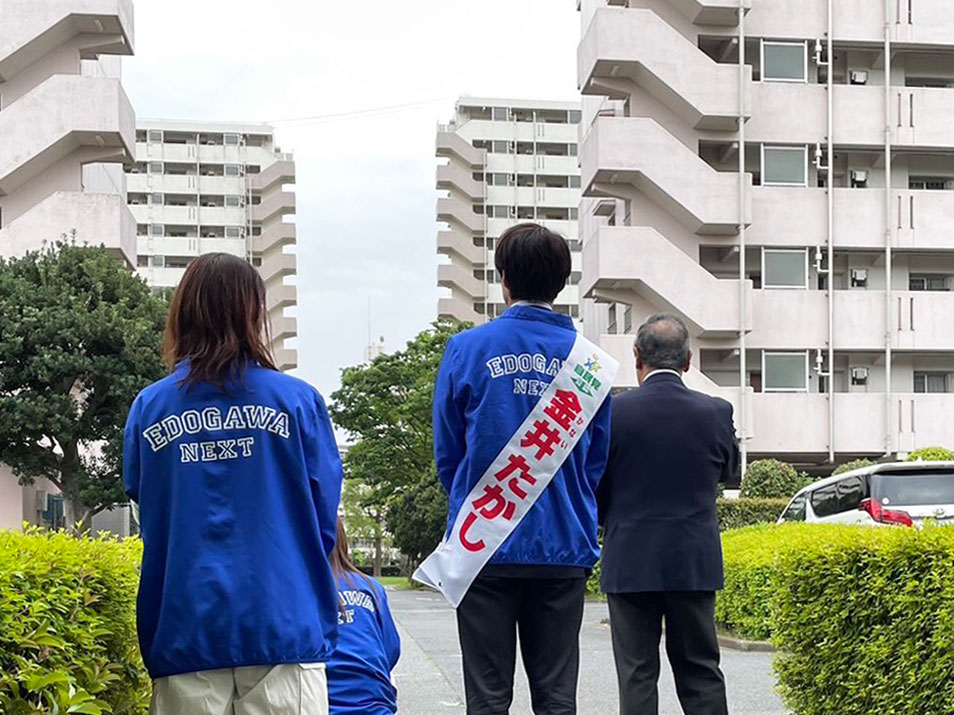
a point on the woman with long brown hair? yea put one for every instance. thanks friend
(359, 671)
(237, 475)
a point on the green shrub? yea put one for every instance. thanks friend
(67, 625)
(932, 454)
(863, 617)
(770, 479)
(853, 464)
(736, 513)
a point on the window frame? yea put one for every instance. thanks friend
(766, 285)
(783, 43)
(785, 147)
(785, 353)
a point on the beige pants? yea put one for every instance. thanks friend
(299, 689)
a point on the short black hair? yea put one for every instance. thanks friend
(663, 342)
(534, 261)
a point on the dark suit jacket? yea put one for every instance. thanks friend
(669, 449)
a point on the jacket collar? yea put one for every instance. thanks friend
(542, 315)
(663, 378)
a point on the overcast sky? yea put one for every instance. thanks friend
(365, 182)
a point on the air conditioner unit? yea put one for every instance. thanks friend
(859, 277)
(858, 77)
(859, 177)
(859, 376)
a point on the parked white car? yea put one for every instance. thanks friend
(905, 493)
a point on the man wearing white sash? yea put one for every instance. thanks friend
(521, 437)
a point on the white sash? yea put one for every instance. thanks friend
(522, 470)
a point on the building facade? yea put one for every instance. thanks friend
(781, 175)
(200, 187)
(66, 129)
(507, 162)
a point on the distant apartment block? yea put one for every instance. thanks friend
(200, 187)
(507, 162)
(66, 129)
(781, 175)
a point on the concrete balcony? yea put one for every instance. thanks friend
(90, 112)
(33, 29)
(276, 205)
(641, 261)
(456, 212)
(459, 310)
(452, 177)
(178, 153)
(285, 358)
(274, 236)
(930, 23)
(451, 145)
(453, 242)
(451, 275)
(724, 13)
(624, 47)
(219, 185)
(98, 219)
(275, 266)
(281, 172)
(219, 216)
(166, 183)
(279, 297)
(283, 327)
(622, 154)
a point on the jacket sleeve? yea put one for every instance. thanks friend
(131, 460)
(602, 488)
(449, 424)
(730, 467)
(389, 632)
(324, 468)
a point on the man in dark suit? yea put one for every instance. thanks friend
(662, 556)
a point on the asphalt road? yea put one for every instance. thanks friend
(429, 679)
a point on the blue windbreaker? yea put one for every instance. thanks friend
(490, 379)
(238, 504)
(359, 671)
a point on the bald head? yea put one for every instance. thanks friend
(662, 343)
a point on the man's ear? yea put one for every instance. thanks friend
(639, 360)
(688, 361)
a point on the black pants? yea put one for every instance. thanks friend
(691, 644)
(548, 613)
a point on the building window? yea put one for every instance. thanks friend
(234, 200)
(232, 139)
(611, 324)
(142, 261)
(933, 382)
(157, 229)
(628, 320)
(929, 281)
(575, 116)
(571, 149)
(155, 135)
(156, 199)
(501, 114)
(500, 147)
(574, 182)
(785, 372)
(784, 61)
(784, 166)
(155, 167)
(158, 261)
(234, 232)
(785, 268)
(233, 170)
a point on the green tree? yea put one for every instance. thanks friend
(852, 465)
(932, 454)
(364, 518)
(385, 406)
(770, 479)
(79, 337)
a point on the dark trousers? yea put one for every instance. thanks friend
(548, 613)
(691, 644)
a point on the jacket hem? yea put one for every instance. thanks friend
(320, 658)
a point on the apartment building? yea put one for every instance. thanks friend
(507, 162)
(780, 173)
(201, 187)
(66, 129)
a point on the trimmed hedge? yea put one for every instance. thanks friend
(736, 513)
(852, 465)
(863, 617)
(932, 454)
(68, 625)
(770, 479)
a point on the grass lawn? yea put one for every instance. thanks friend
(400, 583)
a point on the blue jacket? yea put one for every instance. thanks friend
(359, 672)
(490, 379)
(238, 504)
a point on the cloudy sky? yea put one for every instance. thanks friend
(365, 179)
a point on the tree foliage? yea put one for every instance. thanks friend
(770, 479)
(79, 337)
(932, 454)
(385, 406)
(852, 465)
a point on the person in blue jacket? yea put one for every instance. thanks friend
(490, 379)
(359, 671)
(238, 478)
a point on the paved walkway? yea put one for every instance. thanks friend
(429, 680)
